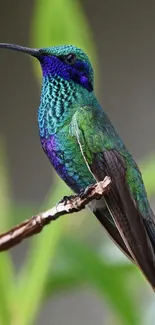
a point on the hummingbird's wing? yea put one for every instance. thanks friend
(99, 208)
(102, 158)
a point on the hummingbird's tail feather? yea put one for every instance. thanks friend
(128, 219)
(136, 233)
(131, 226)
(103, 215)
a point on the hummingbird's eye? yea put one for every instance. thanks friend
(70, 58)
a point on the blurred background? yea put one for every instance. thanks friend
(71, 273)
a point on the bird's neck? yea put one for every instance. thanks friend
(59, 101)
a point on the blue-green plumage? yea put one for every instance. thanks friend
(84, 147)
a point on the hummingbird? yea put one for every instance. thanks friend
(84, 147)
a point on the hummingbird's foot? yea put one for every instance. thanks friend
(66, 198)
(86, 191)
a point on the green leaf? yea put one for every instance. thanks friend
(20, 212)
(32, 278)
(61, 22)
(60, 281)
(107, 279)
(6, 289)
(66, 274)
(6, 266)
(148, 172)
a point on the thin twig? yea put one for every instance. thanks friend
(70, 204)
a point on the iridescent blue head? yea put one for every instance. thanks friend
(67, 84)
(67, 62)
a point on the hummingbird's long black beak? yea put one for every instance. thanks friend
(27, 50)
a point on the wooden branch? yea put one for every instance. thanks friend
(70, 204)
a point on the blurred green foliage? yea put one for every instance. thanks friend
(55, 260)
